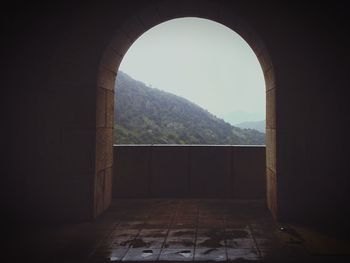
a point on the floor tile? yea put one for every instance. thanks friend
(237, 233)
(209, 242)
(241, 243)
(210, 254)
(243, 254)
(184, 233)
(176, 254)
(141, 254)
(179, 242)
(110, 255)
(154, 232)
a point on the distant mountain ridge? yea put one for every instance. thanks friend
(240, 116)
(256, 125)
(146, 115)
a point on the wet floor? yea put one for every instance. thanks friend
(171, 230)
(190, 230)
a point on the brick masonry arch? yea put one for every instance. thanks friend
(122, 39)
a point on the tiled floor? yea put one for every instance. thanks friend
(173, 230)
(189, 230)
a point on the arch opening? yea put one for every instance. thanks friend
(201, 84)
(106, 81)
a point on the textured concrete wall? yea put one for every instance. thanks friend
(189, 171)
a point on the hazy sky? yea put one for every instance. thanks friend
(201, 60)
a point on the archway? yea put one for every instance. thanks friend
(123, 38)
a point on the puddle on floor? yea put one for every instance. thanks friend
(185, 253)
(147, 253)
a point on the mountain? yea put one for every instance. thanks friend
(241, 116)
(146, 115)
(256, 125)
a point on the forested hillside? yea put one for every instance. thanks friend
(146, 115)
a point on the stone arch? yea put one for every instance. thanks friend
(113, 54)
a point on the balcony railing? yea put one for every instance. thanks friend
(189, 171)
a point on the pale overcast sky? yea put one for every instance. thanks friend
(201, 60)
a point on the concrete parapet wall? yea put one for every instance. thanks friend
(189, 171)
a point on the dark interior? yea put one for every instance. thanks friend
(63, 189)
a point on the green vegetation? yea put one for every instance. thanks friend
(146, 115)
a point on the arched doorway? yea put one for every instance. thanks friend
(123, 38)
